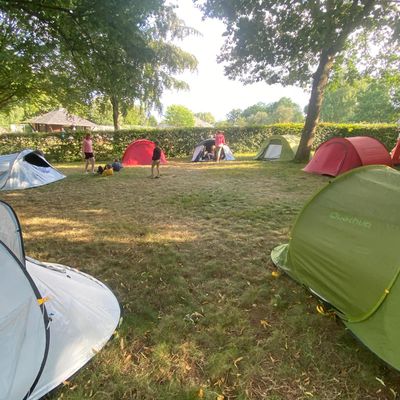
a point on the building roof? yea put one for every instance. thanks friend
(61, 117)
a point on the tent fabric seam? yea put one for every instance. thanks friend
(379, 302)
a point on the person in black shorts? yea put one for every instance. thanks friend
(155, 161)
(87, 152)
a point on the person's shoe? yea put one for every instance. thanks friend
(156, 177)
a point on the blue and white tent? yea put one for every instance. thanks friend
(25, 170)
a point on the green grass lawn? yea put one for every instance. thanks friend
(204, 313)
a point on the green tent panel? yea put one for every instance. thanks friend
(344, 248)
(279, 148)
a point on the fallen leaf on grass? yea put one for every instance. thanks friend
(193, 318)
(272, 359)
(128, 358)
(275, 274)
(321, 310)
(380, 381)
(236, 361)
(264, 323)
(201, 393)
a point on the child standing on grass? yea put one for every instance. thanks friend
(87, 152)
(219, 144)
(156, 160)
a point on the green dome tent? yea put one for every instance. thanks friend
(344, 248)
(279, 148)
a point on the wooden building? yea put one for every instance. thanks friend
(59, 121)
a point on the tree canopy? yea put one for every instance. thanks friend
(119, 49)
(206, 116)
(298, 42)
(283, 110)
(179, 116)
(352, 96)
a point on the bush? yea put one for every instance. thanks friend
(180, 142)
(385, 133)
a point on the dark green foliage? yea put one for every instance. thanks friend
(282, 111)
(366, 99)
(180, 142)
(77, 50)
(386, 133)
(179, 116)
(299, 42)
(206, 116)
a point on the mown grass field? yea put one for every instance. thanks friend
(205, 315)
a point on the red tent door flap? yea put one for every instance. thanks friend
(332, 158)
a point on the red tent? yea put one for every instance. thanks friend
(395, 153)
(339, 155)
(140, 152)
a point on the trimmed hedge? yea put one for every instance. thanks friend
(386, 133)
(180, 142)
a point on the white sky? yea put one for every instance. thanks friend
(210, 91)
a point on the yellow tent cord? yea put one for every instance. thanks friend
(42, 300)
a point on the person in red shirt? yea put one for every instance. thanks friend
(219, 143)
(87, 152)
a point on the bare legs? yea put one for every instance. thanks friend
(92, 164)
(218, 156)
(155, 163)
(91, 161)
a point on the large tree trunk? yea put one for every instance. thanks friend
(115, 108)
(320, 80)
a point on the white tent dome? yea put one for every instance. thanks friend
(53, 318)
(25, 170)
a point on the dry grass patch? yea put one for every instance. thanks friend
(188, 257)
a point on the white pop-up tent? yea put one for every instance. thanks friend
(26, 169)
(53, 318)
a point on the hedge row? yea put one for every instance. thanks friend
(386, 133)
(180, 142)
